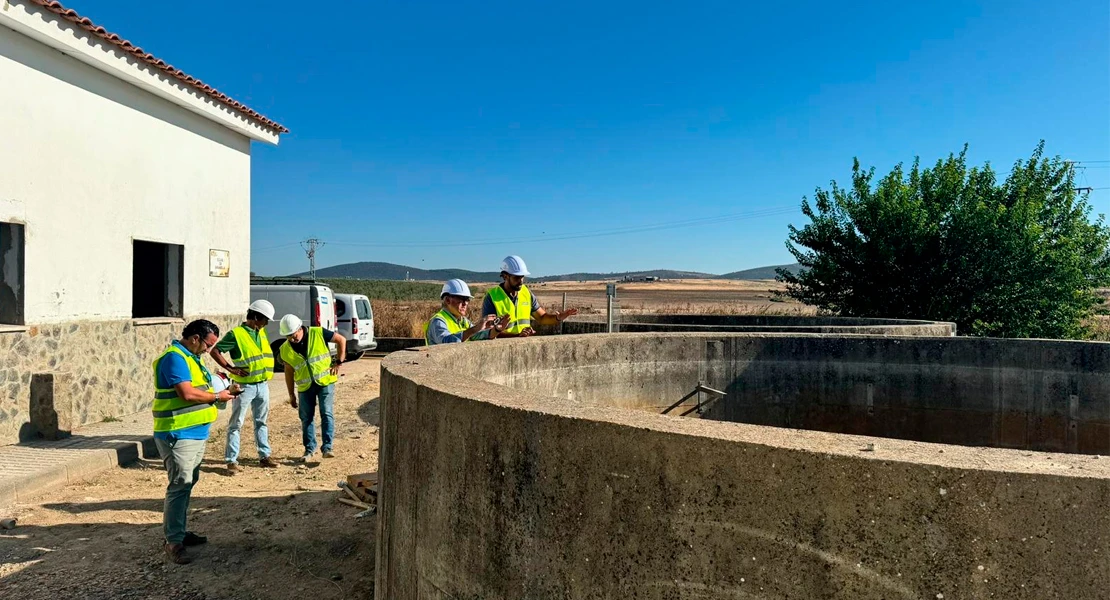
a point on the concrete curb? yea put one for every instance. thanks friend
(31, 469)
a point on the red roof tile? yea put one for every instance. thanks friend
(126, 46)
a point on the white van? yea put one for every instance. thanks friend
(356, 323)
(313, 302)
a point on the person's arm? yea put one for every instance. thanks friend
(438, 333)
(340, 349)
(486, 324)
(189, 393)
(542, 317)
(225, 345)
(174, 372)
(289, 385)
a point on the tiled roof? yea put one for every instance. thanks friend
(129, 48)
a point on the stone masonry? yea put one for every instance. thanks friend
(56, 377)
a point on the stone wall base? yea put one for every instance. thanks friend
(55, 378)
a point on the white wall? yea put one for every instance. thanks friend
(89, 162)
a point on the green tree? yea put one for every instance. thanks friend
(1016, 259)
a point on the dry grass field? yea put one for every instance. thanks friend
(405, 318)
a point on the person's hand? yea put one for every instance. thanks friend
(500, 323)
(222, 396)
(528, 332)
(489, 322)
(570, 312)
(335, 367)
(293, 401)
(235, 389)
(239, 371)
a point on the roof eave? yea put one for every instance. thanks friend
(47, 27)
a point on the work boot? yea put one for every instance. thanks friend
(268, 462)
(328, 454)
(192, 539)
(232, 468)
(176, 553)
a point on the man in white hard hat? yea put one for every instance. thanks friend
(252, 367)
(513, 299)
(450, 324)
(309, 366)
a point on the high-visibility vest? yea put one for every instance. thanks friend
(172, 412)
(317, 367)
(520, 311)
(258, 361)
(454, 326)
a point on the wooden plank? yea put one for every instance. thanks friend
(354, 503)
(365, 485)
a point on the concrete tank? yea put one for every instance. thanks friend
(634, 323)
(538, 469)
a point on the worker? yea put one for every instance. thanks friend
(513, 299)
(450, 324)
(183, 414)
(252, 369)
(309, 365)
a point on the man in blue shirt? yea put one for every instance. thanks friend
(450, 325)
(181, 445)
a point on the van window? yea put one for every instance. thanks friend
(363, 308)
(340, 307)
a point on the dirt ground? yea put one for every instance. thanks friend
(272, 533)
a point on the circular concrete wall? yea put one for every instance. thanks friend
(523, 469)
(631, 323)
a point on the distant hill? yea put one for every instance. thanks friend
(390, 271)
(760, 272)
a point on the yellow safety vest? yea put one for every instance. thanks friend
(318, 365)
(520, 311)
(258, 361)
(172, 412)
(454, 326)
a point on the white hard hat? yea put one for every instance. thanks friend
(289, 324)
(514, 265)
(263, 307)
(456, 287)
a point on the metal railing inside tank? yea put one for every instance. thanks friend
(699, 389)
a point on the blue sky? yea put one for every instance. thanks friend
(467, 122)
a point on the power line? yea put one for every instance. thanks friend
(286, 245)
(583, 234)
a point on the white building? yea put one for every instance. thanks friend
(124, 213)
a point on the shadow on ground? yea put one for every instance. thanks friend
(370, 413)
(273, 547)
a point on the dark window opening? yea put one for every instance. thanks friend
(157, 280)
(340, 307)
(11, 274)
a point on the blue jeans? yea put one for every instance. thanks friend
(307, 401)
(182, 459)
(257, 397)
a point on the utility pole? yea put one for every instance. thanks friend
(310, 245)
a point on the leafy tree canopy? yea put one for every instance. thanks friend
(1021, 258)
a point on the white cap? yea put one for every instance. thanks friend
(455, 287)
(514, 265)
(263, 307)
(289, 324)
